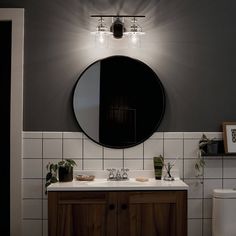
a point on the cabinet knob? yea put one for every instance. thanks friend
(111, 206)
(124, 206)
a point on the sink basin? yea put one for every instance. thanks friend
(116, 183)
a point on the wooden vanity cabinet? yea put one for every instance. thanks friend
(117, 213)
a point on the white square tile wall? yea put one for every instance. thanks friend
(115, 163)
(32, 188)
(52, 148)
(32, 168)
(32, 148)
(207, 224)
(91, 149)
(92, 164)
(39, 148)
(173, 148)
(110, 153)
(207, 208)
(72, 148)
(153, 147)
(195, 208)
(195, 227)
(134, 152)
(133, 165)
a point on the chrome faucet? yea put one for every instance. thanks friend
(116, 175)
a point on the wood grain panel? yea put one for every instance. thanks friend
(130, 213)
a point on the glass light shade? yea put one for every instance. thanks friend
(101, 34)
(134, 38)
(101, 38)
(135, 34)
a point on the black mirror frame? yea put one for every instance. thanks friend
(157, 124)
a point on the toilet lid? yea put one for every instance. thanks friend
(224, 193)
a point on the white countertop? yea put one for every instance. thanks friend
(101, 184)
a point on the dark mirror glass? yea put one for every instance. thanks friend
(119, 102)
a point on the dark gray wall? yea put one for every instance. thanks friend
(190, 44)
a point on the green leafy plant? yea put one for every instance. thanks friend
(203, 142)
(67, 163)
(52, 168)
(200, 163)
(168, 166)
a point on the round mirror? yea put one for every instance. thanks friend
(119, 102)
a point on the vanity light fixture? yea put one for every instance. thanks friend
(119, 27)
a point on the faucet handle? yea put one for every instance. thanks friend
(125, 174)
(111, 173)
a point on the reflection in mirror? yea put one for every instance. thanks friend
(119, 102)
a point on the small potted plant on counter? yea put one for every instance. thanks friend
(61, 171)
(65, 170)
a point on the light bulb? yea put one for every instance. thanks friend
(134, 38)
(101, 38)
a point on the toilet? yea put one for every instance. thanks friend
(224, 212)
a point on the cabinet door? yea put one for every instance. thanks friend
(82, 214)
(161, 213)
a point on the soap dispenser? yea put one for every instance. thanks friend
(158, 166)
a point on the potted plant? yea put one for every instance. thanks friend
(158, 162)
(207, 145)
(168, 166)
(61, 171)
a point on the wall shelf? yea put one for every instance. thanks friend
(221, 150)
(219, 154)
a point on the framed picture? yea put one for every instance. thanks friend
(229, 136)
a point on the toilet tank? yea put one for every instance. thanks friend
(224, 212)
